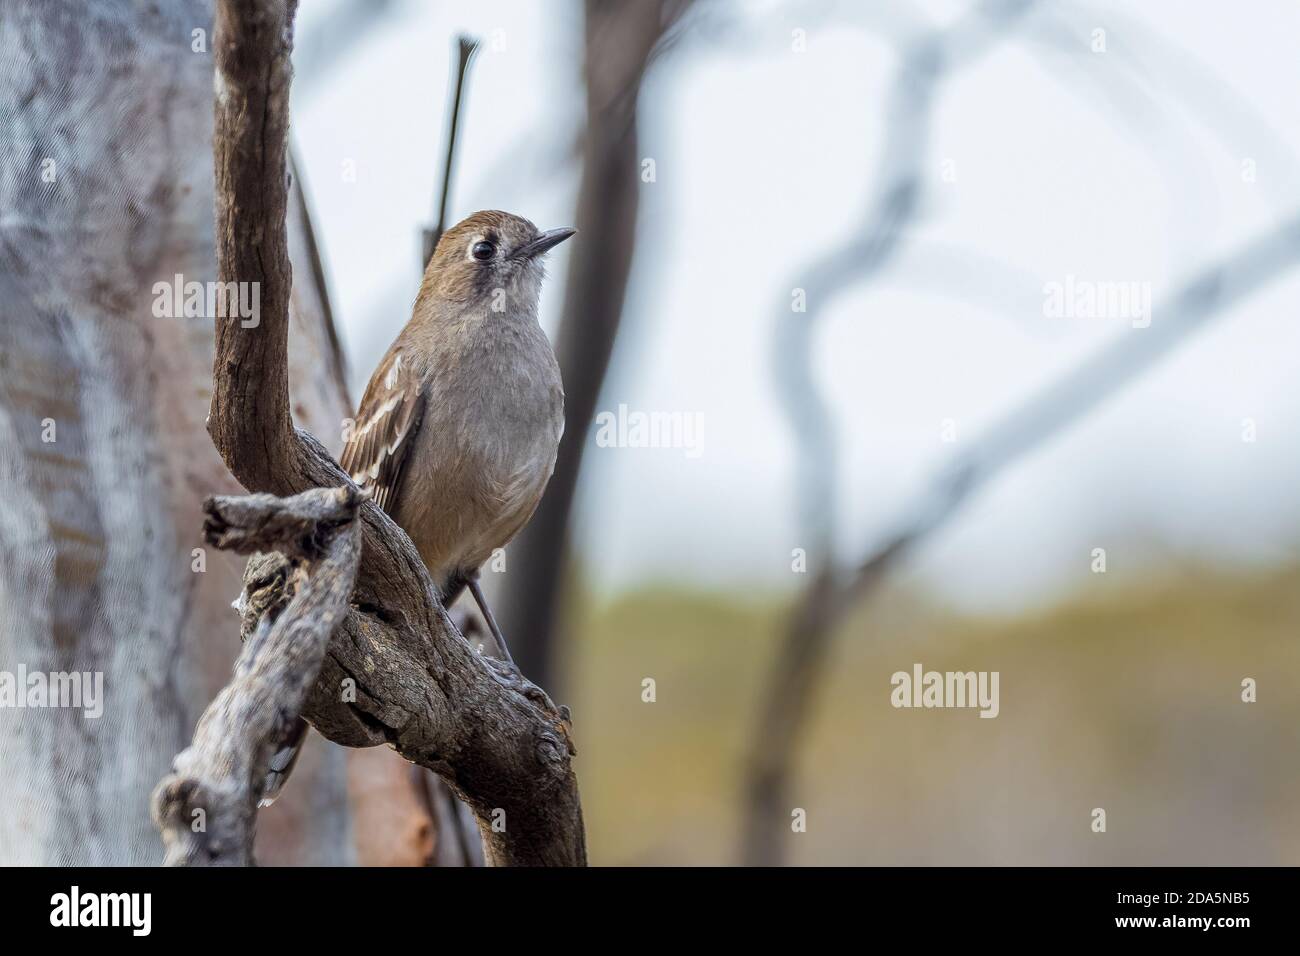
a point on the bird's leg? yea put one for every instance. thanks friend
(481, 601)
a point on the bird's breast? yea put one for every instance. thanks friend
(489, 442)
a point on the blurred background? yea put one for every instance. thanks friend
(951, 333)
(923, 172)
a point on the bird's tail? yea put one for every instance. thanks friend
(282, 763)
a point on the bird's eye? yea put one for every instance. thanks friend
(483, 251)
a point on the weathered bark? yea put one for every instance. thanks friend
(206, 809)
(620, 42)
(496, 739)
(97, 527)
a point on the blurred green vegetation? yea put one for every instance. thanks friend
(1124, 697)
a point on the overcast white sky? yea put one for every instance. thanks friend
(1123, 165)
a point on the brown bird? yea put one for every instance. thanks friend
(458, 430)
(457, 433)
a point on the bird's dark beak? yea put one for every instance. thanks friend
(544, 243)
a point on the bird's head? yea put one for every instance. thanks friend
(491, 257)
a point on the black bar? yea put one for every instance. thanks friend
(338, 906)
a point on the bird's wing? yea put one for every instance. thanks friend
(386, 423)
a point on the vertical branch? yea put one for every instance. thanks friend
(620, 42)
(250, 411)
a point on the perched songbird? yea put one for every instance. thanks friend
(458, 430)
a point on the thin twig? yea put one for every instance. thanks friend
(466, 47)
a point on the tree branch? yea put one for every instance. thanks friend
(206, 808)
(397, 671)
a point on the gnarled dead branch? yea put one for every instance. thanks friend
(205, 808)
(396, 671)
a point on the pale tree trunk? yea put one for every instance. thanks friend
(105, 189)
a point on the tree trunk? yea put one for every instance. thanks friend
(105, 190)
